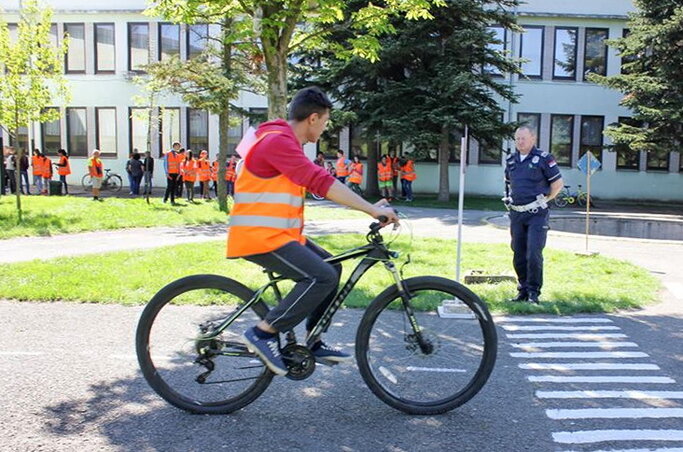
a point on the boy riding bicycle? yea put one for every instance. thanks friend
(266, 223)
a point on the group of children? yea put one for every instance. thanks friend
(43, 170)
(389, 170)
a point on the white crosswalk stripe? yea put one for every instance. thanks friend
(587, 360)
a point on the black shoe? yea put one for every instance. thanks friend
(520, 298)
(533, 298)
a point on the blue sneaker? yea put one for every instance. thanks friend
(324, 352)
(266, 349)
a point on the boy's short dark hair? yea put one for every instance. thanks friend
(308, 101)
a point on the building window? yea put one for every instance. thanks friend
(197, 37)
(105, 50)
(75, 57)
(490, 154)
(235, 136)
(105, 126)
(531, 50)
(455, 145)
(626, 59)
(169, 41)
(54, 39)
(565, 53)
(561, 138)
(627, 159)
(170, 129)
(591, 135)
(22, 135)
(198, 129)
(138, 46)
(51, 135)
(499, 36)
(657, 160)
(76, 132)
(533, 121)
(138, 125)
(595, 57)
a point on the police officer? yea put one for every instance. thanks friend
(532, 178)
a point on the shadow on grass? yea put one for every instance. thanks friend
(43, 224)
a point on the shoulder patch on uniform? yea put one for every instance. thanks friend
(545, 153)
(552, 163)
(535, 159)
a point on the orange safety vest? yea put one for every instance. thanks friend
(393, 163)
(173, 160)
(408, 171)
(37, 163)
(384, 172)
(230, 174)
(356, 176)
(95, 167)
(188, 168)
(66, 169)
(268, 212)
(342, 170)
(214, 170)
(47, 168)
(204, 170)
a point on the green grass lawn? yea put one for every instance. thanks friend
(59, 215)
(573, 283)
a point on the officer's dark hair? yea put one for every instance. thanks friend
(308, 101)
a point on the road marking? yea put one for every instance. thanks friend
(574, 344)
(558, 328)
(587, 366)
(594, 355)
(434, 369)
(21, 353)
(592, 379)
(554, 320)
(577, 336)
(675, 288)
(615, 413)
(596, 436)
(659, 449)
(638, 395)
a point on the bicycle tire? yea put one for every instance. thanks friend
(86, 181)
(483, 370)
(114, 183)
(581, 199)
(560, 201)
(149, 370)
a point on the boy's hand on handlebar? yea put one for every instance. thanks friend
(385, 214)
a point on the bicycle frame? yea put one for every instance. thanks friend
(374, 252)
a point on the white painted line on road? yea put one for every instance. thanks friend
(574, 344)
(593, 379)
(659, 449)
(596, 436)
(434, 369)
(637, 395)
(593, 355)
(558, 328)
(615, 413)
(554, 320)
(576, 336)
(675, 288)
(21, 353)
(587, 366)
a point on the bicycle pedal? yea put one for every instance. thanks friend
(326, 362)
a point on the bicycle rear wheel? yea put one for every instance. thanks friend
(114, 183)
(175, 360)
(459, 353)
(86, 181)
(560, 201)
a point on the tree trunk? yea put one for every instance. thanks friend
(17, 175)
(224, 120)
(372, 189)
(276, 64)
(444, 154)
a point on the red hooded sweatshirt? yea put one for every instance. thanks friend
(283, 154)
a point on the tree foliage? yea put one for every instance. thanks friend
(432, 78)
(651, 78)
(33, 74)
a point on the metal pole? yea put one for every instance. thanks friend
(588, 196)
(461, 199)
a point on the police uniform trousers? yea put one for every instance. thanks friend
(529, 232)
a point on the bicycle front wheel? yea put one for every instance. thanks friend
(86, 181)
(560, 201)
(443, 366)
(199, 375)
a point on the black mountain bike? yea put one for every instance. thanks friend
(425, 345)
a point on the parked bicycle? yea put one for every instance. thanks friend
(111, 181)
(412, 351)
(565, 197)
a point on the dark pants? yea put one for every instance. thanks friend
(529, 231)
(171, 181)
(342, 179)
(407, 188)
(315, 288)
(231, 188)
(148, 182)
(189, 190)
(179, 188)
(11, 175)
(135, 188)
(62, 179)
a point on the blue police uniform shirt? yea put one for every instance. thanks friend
(530, 177)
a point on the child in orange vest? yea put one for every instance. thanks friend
(408, 175)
